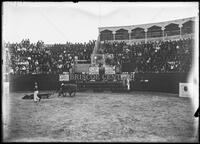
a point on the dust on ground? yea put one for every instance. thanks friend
(105, 117)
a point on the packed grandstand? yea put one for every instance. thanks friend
(28, 58)
(162, 56)
(159, 48)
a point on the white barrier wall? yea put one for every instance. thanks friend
(185, 90)
(6, 108)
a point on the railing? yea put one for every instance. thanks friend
(154, 39)
(166, 38)
(188, 36)
(176, 37)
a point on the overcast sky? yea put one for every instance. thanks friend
(59, 22)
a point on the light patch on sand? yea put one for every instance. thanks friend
(6, 108)
(194, 78)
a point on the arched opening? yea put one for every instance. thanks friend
(138, 33)
(121, 34)
(154, 31)
(188, 27)
(171, 30)
(106, 35)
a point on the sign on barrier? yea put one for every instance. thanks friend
(185, 89)
(94, 70)
(64, 77)
(109, 70)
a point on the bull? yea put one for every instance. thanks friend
(67, 88)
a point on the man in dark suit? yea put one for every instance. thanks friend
(101, 71)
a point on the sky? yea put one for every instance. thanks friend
(61, 22)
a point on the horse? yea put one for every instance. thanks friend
(67, 88)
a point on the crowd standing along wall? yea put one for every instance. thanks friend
(158, 82)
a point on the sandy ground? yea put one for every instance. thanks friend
(110, 117)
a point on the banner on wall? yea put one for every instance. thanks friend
(64, 77)
(185, 89)
(23, 63)
(94, 70)
(109, 70)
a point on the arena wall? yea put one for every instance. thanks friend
(159, 82)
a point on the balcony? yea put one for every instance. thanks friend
(166, 38)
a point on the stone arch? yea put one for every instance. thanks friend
(121, 34)
(106, 35)
(172, 29)
(188, 27)
(154, 31)
(137, 33)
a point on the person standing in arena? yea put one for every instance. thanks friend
(101, 71)
(62, 89)
(36, 98)
(128, 82)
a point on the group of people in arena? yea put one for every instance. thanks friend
(158, 56)
(28, 58)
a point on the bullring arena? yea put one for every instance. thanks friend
(132, 117)
(133, 85)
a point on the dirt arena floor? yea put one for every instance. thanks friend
(104, 117)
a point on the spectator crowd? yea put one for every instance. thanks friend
(154, 56)
(158, 56)
(28, 58)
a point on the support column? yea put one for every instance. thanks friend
(163, 32)
(114, 32)
(129, 35)
(145, 30)
(180, 26)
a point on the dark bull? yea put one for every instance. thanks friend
(67, 88)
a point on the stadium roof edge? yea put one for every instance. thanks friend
(145, 24)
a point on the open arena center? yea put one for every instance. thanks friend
(132, 85)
